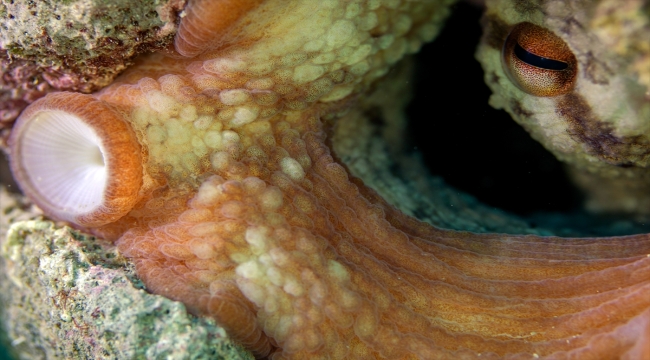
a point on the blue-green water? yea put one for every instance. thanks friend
(4, 341)
(4, 352)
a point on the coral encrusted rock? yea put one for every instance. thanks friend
(66, 295)
(76, 45)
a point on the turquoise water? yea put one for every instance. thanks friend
(4, 353)
(4, 345)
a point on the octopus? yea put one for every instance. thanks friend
(229, 170)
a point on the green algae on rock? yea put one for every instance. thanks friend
(65, 296)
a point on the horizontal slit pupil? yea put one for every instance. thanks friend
(538, 61)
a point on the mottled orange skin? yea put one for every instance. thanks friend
(255, 224)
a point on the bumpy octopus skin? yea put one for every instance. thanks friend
(220, 185)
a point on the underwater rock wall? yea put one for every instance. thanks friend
(75, 45)
(64, 296)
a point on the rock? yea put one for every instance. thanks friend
(76, 45)
(65, 294)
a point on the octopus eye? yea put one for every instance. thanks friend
(77, 159)
(538, 61)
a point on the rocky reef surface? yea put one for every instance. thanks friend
(75, 45)
(65, 294)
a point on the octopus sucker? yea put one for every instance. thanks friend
(224, 187)
(92, 168)
(200, 31)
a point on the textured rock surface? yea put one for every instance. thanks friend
(64, 295)
(78, 45)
